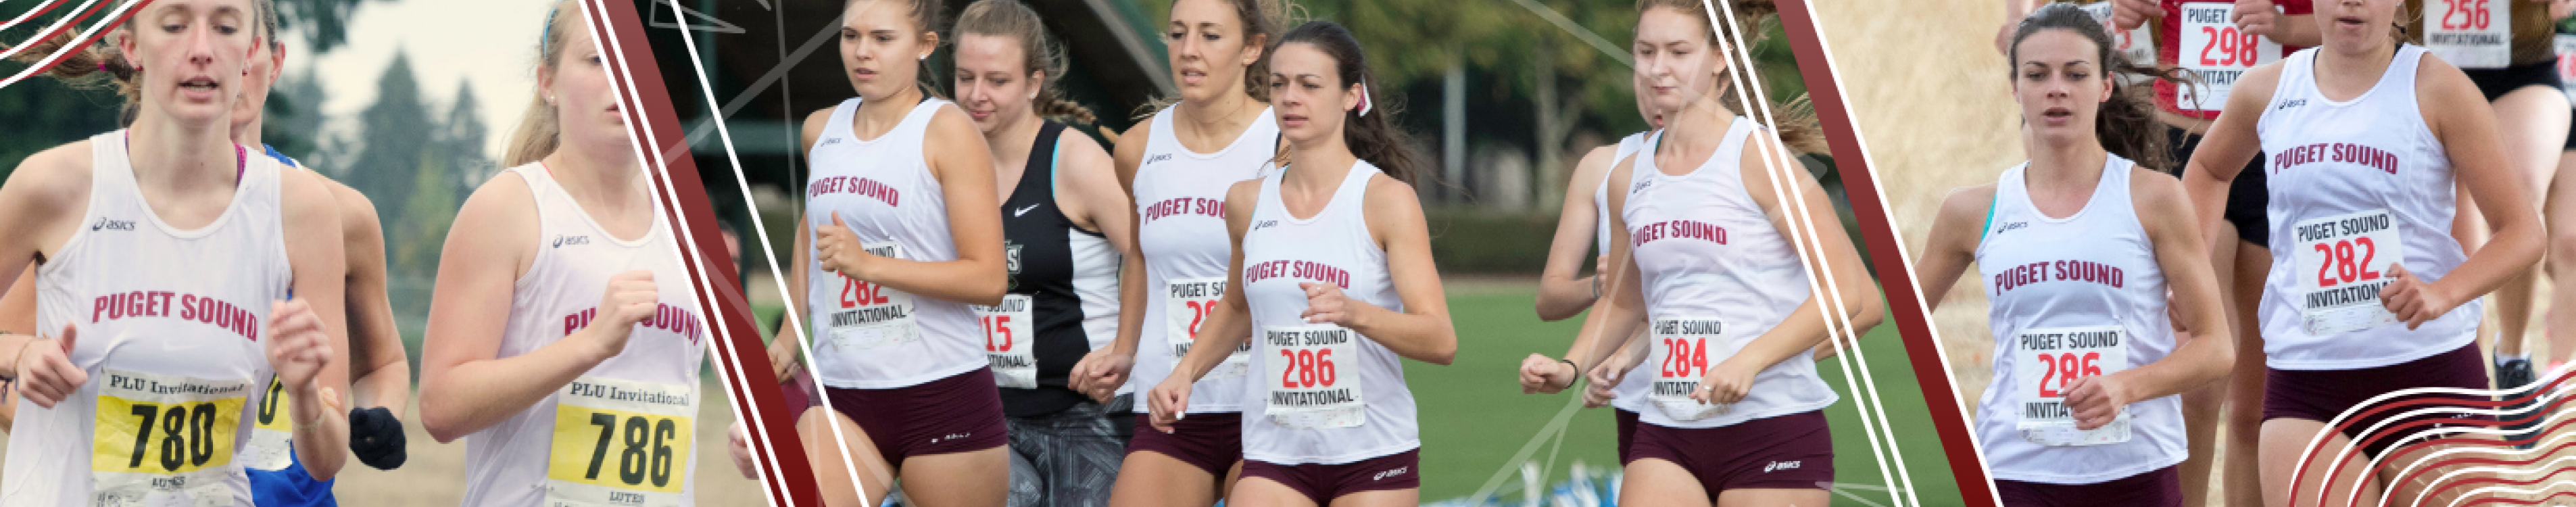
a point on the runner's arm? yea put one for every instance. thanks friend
(1423, 331)
(2207, 352)
(1229, 326)
(464, 386)
(2229, 145)
(964, 168)
(313, 250)
(2458, 115)
(1105, 182)
(1833, 255)
(1560, 293)
(1953, 242)
(380, 370)
(1617, 318)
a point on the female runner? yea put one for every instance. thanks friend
(2505, 48)
(905, 235)
(1342, 289)
(553, 346)
(1063, 211)
(1755, 301)
(190, 285)
(1179, 169)
(2364, 138)
(2082, 244)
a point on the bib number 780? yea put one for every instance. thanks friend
(186, 432)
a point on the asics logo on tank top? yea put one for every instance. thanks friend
(2291, 104)
(1158, 157)
(855, 185)
(188, 308)
(673, 319)
(1265, 224)
(2344, 153)
(562, 240)
(1306, 270)
(1687, 229)
(112, 225)
(2060, 271)
(1176, 206)
(2009, 227)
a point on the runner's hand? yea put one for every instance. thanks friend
(2126, 14)
(2414, 300)
(1604, 377)
(1725, 384)
(782, 357)
(740, 446)
(1100, 373)
(2256, 17)
(45, 371)
(1325, 303)
(1545, 375)
(2096, 400)
(839, 250)
(631, 297)
(1168, 402)
(297, 345)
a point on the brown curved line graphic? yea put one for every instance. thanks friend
(2300, 471)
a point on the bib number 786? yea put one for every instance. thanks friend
(644, 453)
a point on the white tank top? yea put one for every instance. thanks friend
(2366, 182)
(2081, 293)
(169, 323)
(1629, 386)
(868, 336)
(1320, 393)
(620, 434)
(1717, 275)
(1181, 231)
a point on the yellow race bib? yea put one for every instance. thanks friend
(165, 439)
(620, 442)
(272, 431)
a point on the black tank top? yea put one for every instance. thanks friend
(1055, 263)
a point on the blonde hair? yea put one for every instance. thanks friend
(540, 130)
(1795, 118)
(100, 65)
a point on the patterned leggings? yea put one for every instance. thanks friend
(1069, 458)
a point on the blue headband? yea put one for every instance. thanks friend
(545, 37)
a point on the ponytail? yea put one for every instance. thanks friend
(540, 129)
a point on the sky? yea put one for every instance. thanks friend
(489, 45)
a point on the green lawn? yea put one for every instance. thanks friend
(1475, 418)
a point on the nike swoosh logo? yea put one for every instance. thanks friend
(1024, 211)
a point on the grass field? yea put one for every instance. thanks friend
(1474, 417)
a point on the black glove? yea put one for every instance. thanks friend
(376, 437)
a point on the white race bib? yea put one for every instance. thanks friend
(2565, 45)
(165, 439)
(1681, 357)
(2342, 261)
(620, 443)
(2048, 361)
(1186, 305)
(1311, 392)
(2472, 34)
(2137, 45)
(272, 431)
(2214, 49)
(1008, 341)
(870, 315)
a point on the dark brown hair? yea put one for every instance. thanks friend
(1373, 136)
(1008, 18)
(2126, 125)
(1793, 120)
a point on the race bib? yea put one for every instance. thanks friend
(1186, 305)
(620, 442)
(2565, 45)
(1311, 393)
(272, 431)
(2048, 361)
(2473, 34)
(2342, 262)
(165, 439)
(2136, 45)
(1007, 341)
(1681, 358)
(873, 315)
(2215, 50)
